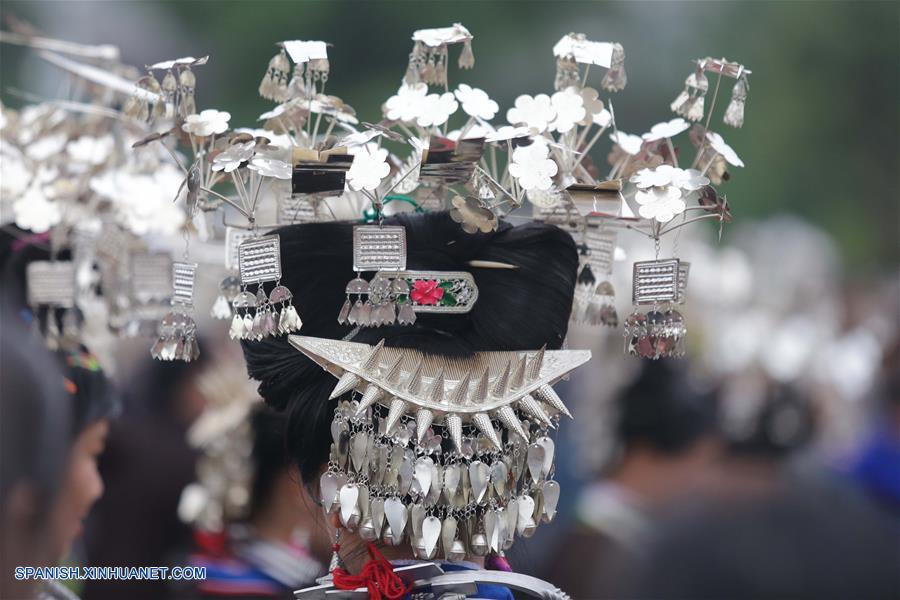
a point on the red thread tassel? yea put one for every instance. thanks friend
(377, 575)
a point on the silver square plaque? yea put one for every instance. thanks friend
(296, 208)
(379, 248)
(602, 245)
(51, 283)
(151, 276)
(655, 281)
(259, 259)
(183, 282)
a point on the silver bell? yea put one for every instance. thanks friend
(387, 536)
(457, 551)
(479, 544)
(419, 548)
(529, 528)
(367, 530)
(352, 521)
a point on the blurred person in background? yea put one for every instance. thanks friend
(147, 464)
(94, 404)
(90, 402)
(35, 420)
(767, 522)
(877, 465)
(257, 532)
(809, 539)
(767, 427)
(89, 398)
(666, 431)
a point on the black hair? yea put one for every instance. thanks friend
(269, 455)
(522, 308)
(663, 410)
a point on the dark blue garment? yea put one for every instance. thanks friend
(878, 468)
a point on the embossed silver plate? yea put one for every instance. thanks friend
(151, 276)
(260, 259)
(183, 282)
(602, 246)
(51, 283)
(379, 248)
(297, 208)
(655, 281)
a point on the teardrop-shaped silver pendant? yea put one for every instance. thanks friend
(478, 477)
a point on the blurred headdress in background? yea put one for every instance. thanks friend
(223, 436)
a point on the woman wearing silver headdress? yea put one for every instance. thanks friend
(427, 444)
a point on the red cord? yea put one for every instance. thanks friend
(377, 575)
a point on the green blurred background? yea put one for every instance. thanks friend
(821, 132)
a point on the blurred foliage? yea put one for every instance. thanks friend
(820, 139)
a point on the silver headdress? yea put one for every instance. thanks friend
(223, 435)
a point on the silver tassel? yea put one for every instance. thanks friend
(467, 57)
(255, 331)
(135, 108)
(187, 81)
(416, 60)
(290, 320)
(734, 114)
(566, 74)
(693, 111)
(236, 332)
(169, 86)
(679, 105)
(284, 324)
(221, 308)
(696, 108)
(615, 78)
(274, 84)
